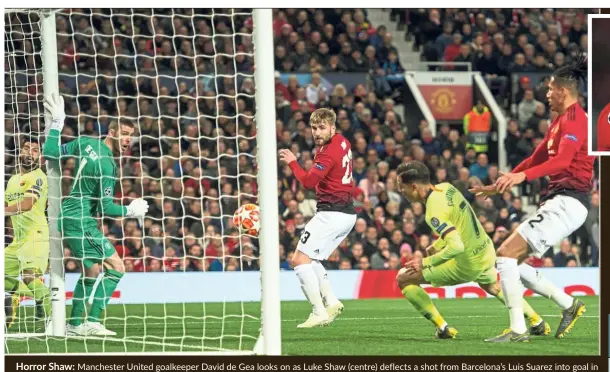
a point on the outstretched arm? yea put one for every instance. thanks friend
(539, 156)
(318, 171)
(571, 141)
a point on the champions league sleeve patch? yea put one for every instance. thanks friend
(108, 191)
(319, 166)
(571, 137)
(64, 149)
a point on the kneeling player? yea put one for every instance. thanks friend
(465, 252)
(331, 176)
(28, 255)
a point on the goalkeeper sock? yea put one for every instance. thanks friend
(533, 279)
(420, 300)
(310, 287)
(103, 293)
(530, 314)
(328, 297)
(41, 294)
(513, 296)
(82, 292)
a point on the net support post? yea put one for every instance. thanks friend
(50, 82)
(421, 101)
(267, 181)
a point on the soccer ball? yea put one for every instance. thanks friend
(247, 219)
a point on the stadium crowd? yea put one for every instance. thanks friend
(195, 157)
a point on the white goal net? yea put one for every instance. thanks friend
(185, 78)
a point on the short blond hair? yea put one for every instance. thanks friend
(323, 115)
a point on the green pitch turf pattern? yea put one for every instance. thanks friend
(367, 327)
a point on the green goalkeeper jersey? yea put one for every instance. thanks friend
(92, 190)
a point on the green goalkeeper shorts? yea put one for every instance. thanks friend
(89, 245)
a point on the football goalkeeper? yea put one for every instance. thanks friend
(28, 255)
(464, 252)
(92, 193)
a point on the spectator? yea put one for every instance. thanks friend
(200, 143)
(527, 108)
(465, 56)
(480, 169)
(564, 255)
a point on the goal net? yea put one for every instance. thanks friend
(185, 77)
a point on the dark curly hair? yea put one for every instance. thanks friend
(413, 172)
(570, 75)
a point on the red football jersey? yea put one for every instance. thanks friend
(337, 186)
(603, 130)
(564, 151)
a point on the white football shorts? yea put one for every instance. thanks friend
(324, 232)
(555, 220)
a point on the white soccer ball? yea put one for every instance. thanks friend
(247, 219)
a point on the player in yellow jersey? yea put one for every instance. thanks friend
(25, 201)
(463, 253)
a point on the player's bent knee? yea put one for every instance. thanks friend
(120, 267)
(404, 278)
(513, 247)
(116, 265)
(92, 271)
(492, 289)
(300, 258)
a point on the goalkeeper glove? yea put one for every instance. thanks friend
(137, 208)
(54, 110)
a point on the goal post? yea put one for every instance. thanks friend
(50, 81)
(267, 175)
(206, 120)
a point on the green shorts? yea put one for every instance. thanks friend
(460, 270)
(90, 245)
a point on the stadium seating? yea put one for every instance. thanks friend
(190, 226)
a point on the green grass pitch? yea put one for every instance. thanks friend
(367, 327)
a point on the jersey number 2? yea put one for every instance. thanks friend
(347, 164)
(536, 220)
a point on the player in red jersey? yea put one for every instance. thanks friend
(331, 176)
(563, 157)
(603, 130)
